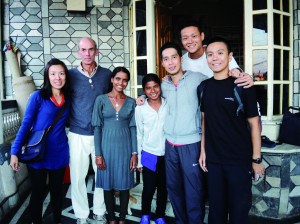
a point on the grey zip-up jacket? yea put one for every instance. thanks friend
(182, 125)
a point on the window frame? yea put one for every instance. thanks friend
(150, 43)
(270, 47)
(1, 80)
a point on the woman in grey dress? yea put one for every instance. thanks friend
(115, 143)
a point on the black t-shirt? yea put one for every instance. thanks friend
(227, 136)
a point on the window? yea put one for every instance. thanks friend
(142, 43)
(1, 80)
(268, 53)
(2, 94)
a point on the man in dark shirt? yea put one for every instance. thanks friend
(229, 141)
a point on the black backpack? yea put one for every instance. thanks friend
(237, 95)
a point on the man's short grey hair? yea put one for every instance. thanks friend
(88, 38)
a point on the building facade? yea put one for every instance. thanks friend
(266, 38)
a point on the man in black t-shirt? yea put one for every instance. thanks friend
(230, 145)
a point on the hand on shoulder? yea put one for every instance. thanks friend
(140, 100)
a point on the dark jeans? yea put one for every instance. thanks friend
(38, 184)
(153, 180)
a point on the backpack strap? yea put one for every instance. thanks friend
(237, 94)
(200, 91)
(238, 98)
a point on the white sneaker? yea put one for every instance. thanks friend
(100, 219)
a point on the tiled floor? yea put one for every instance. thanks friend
(22, 216)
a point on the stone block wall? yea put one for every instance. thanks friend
(277, 196)
(43, 29)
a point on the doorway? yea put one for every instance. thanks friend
(215, 17)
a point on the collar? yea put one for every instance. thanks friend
(181, 78)
(84, 72)
(52, 98)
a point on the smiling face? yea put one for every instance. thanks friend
(171, 61)
(152, 90)
(218, 57)
(191, 40)
(120, 81)
(57, 76)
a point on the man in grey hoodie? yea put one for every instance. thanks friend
(182, 130)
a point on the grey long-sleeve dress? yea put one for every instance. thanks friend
(115, 140)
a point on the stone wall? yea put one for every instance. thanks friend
(277, 196)
(43, 29)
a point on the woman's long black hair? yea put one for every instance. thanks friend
(46, 90)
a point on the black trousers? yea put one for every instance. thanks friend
(109, 199)
(152, 181)
(38, 185)
(229, 189)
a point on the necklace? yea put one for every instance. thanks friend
(116, 102)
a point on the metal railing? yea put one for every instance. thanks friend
(10, 119)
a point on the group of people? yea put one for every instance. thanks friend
(163, 136)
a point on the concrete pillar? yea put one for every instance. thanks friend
(13, 63)
(23, 87)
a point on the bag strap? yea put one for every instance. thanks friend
(200, 91)
(237, 93)
(58, 116)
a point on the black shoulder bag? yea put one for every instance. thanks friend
(290, 127)
(33, 149)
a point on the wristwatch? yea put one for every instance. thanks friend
(257, 161)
